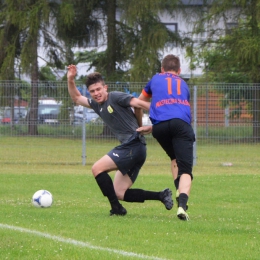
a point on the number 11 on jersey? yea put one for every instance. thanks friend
(169, 84)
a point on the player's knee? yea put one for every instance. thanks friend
(188, 173)
(95, 169)
(120, 193)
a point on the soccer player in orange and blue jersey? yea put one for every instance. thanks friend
(170, 115)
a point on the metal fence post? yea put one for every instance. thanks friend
(195, 124)
(84, 156)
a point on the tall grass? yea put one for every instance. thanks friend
(223, 206)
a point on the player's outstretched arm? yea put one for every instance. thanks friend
(137, 103)
(73, 91)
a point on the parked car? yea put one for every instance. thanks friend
(19, 115)
(1, 113)
(48, 111)
(91, 116)
(77, 117)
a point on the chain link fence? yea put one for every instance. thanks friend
(222, 113)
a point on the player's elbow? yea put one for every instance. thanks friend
(76, 99)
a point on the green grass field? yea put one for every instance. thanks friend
(223, 206)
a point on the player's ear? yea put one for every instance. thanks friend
(162, 70)
(179, 71)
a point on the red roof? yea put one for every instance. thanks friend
(21, 103)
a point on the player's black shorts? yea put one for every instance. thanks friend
(130, 156)
(176, 138)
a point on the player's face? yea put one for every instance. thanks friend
(98, 92)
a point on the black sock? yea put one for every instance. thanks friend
(152, 195)
(138, 195)
(176, 183)
(183, 199)
(105, 184)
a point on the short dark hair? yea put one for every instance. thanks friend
(93, 78)
(171, 63)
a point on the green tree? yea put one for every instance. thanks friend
(145, 35)
(38, 15)
(134, 41)
(10, 49)
(232, 54)
(76, 24)
(33, 23)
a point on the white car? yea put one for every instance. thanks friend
(90, 115)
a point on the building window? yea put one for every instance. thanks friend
(92, 37)
(93, 40)
(173, 27)
(230, 27)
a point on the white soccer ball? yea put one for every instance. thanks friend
(42, 199)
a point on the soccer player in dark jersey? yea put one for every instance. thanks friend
(171, 118)
(115, 108)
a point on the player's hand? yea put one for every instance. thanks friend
(145, 130)
(72, 71)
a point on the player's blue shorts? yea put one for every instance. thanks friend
(129, 157)
(176, 137)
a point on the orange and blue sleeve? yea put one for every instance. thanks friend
(146, 94)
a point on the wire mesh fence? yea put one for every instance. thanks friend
(226, 113)
(222, 114)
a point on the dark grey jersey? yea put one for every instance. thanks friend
(118, 115)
